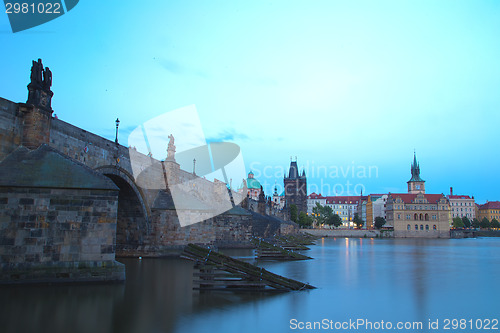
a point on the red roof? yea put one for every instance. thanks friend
(458, 197)
(490, 205)
(352, 199)
(410, 197)
(315, 196)
(342, 199)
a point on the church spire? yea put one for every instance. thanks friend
(415, 170)
(415, 184)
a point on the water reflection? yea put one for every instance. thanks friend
(157, 291)
(59, 308)
(374, 279)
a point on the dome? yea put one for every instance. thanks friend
(253, 183)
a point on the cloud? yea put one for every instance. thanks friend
(177, 68)
(227, 135)
(172, 66)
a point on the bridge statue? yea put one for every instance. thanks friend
(171, 149)
(47, 78)
(40, 94)
(36, 72)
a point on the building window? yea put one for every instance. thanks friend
(415, 217)
(427, 227)
(409, 227)
(434, 227)
(421, 227)
(427, 217)
(416, 226)
(399, 216)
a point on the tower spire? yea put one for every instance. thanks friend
(415, 184)
(415, 168)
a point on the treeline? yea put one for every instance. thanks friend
(464, 222)
(323, 215)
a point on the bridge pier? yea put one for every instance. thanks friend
(57, 220)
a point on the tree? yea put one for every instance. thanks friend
(336, 220)
(457, 222)
(327, 214)
(358, 221)
(293, 213)
(466, 222)
(305, 220)
(475, 223)
(323, 214)
(379, 222)
(485, 224)
(495, 224)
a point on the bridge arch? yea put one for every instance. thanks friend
(133, 216)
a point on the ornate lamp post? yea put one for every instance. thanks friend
(117, 122)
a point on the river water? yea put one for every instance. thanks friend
(367, 281)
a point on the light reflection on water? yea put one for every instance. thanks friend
(377, 279)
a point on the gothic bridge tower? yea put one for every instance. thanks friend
(296, 187)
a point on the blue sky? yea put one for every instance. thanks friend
(338, 84)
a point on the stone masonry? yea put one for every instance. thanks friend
(56, 226)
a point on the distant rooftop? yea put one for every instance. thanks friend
(490, 205)
(346, 199)
(410, 197)
(458, 197)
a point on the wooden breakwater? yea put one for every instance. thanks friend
(297, 242)
(266, 250)
(218, 272)
(283, 247)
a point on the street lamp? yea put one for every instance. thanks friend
(117, 122)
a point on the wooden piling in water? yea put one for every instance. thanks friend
(220, 272)
(266, 250)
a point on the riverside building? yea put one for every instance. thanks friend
(416, 213)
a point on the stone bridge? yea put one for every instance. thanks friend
(143, 213)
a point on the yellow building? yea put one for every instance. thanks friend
(417, 214)
(490, 210)
(371, 207)
(369, 212)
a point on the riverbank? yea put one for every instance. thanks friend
(349, 233)
(365, 233)
(488, 233)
